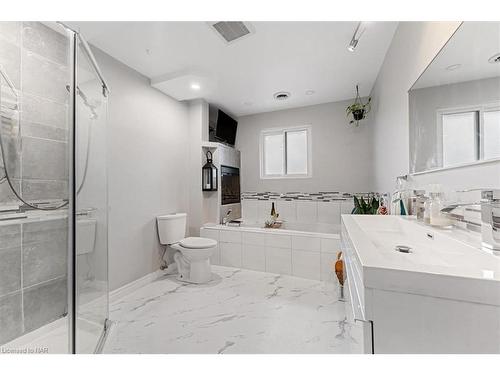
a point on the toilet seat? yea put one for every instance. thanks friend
(197, 243)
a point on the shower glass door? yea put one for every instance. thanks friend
(90, 192)
(36, 69)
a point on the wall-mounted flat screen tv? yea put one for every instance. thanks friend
(225, 129)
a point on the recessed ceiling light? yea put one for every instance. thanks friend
(310, 92)
(281, 95)
(494, 59)
(195, 86)
(453, 67)
(148, 51)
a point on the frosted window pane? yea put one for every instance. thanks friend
(296, 148)
(273, 154)
(491, 136)
(459, 138)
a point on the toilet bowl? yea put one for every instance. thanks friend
(192, 255)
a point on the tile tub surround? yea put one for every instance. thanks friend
(241, 311)
(32, 273)
(322, 207)
(288, 252)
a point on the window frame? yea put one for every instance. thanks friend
(283, 131)
(479, 141)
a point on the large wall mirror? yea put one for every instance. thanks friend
(455, 103)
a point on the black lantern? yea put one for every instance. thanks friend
(209, 175)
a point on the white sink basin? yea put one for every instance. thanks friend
(444, 263)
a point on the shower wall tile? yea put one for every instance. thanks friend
(44, 78)
(11, 324)
(44, 159)
(42, 111)
(36, 189)
(10, 270)
(44, 251)
(10, 31)
(12, 147)
(46, 42)
(44, 303)
(10, 258)
(6, 194)
(33, 258)
(35, 130)
(10, 59)
(10, 236)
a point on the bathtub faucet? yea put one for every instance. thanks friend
(225, 219)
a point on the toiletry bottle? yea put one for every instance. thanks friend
(436, 217)
(427, 211)
(273, 210)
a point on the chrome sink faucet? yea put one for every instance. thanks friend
(488, 222)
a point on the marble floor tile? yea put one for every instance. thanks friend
(241, 311)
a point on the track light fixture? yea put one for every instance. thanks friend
(355, 38)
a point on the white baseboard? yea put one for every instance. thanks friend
(122, 291)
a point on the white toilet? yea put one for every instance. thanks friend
(193, 253)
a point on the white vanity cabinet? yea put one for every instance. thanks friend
(442, 297)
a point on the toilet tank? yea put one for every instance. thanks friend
(85, 235)
(171, 228)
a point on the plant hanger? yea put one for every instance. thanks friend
(358, 110)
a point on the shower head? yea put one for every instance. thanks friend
(86, 102)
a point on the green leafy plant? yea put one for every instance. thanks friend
(368, 207)
(358, 110)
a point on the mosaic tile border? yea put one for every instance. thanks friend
(323, 196)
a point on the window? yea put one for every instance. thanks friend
(469, 135)
(285, 153)
(491, 134)
(460, 138)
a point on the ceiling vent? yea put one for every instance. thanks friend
(282, 95)
(231, 30)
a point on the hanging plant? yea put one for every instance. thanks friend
(358, 110)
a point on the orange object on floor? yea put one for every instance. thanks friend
(339, 268)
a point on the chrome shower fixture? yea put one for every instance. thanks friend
(86, 102)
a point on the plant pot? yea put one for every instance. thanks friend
(358, 114)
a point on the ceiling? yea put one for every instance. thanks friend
(241, 77)
(467, 51)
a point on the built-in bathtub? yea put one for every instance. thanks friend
(305, 250)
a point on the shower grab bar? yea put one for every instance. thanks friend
(90, 55)
(9, 83)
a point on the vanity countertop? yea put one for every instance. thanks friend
(444, 263)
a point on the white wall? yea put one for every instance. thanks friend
(341, 153)
(147, 134)
(412, 49)
(198, 129)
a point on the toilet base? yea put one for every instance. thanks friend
(194, 272)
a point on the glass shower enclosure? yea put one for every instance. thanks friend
(53, 192)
